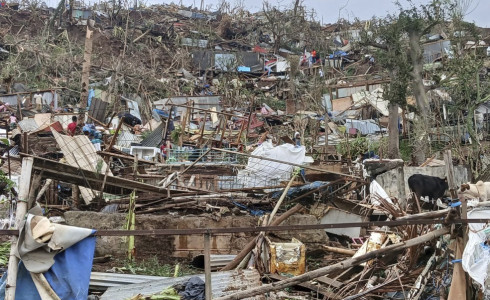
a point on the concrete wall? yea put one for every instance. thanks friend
(185, 246)
(395, 181)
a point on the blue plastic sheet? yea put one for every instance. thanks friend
(161, 112)
(91, 94)
(69, 276)
(296, 191)
(253, 212)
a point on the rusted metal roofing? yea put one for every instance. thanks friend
(223, 283)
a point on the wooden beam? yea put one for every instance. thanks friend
(209, 111)
(114, 137)
(125, 156)
(114, 185)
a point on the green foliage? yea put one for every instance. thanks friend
(406, 150)
(4, 253)
(357, 146)
(154, 267)
(274, 103)
(5, 179)
(146, 134)
(175, 135)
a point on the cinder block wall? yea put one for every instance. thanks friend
(189, 245)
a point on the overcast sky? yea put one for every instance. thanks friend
(328, 11)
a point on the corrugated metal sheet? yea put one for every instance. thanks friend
(102, 281)
(223, 283)
(155, 137)
(28, 125)
(125, 137)
(203, 102)
(80, 152)
(203, 60)
(194, 42)
(98, 109)
(12, 100)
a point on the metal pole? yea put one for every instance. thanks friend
(24, 185)
(207, 266)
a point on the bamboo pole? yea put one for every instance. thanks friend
(339, 250)
(335, 267)
(425, 215)
(24, 185)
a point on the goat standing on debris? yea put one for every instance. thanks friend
(428, 186)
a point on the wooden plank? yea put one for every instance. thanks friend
(310, 286)
(330, 282)
(93, 180)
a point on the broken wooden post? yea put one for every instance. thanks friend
(116, 133)
(207, 266)
(448, 161)
(43, 189)
(202, 128)
(425, 215)
(335, 267)
(75, 194)
(24, 185)
(281, 199)
(87, 58)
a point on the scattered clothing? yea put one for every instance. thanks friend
(194, 289)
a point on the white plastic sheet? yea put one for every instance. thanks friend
(476, 255)
(262, 173)
(377, 191)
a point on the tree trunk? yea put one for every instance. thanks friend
(422, 137)
(296, 4)
(393, 131)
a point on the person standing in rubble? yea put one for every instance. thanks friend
(313, 56)
(13, 121)
(166, 145)
(297, 139)
(72, 127)
(38, 99)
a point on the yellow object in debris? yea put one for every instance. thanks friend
(289, 258)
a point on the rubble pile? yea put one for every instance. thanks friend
(254, 146)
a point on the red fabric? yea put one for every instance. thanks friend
(72, 127)
(259, 49)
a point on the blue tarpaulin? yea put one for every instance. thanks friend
(69, 277)
(297, 191)
(338, 53)
(161, 112)
(253, 212)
